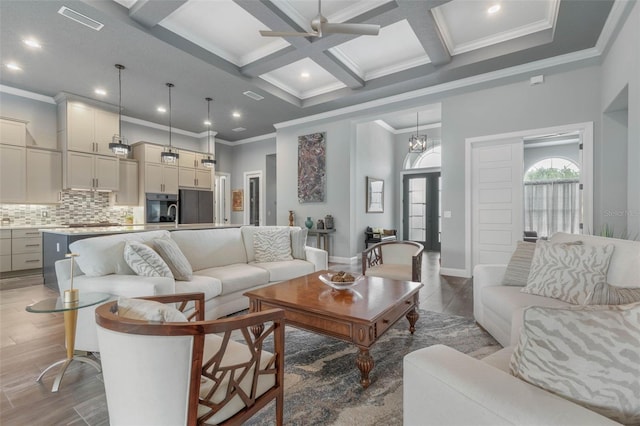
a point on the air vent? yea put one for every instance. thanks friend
(253, 95)
(80, 18)
(239, 129)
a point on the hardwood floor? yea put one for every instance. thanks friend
(29, 343)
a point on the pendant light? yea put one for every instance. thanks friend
(417, 142)
(208, 162)
(169, 156)
(118, 143)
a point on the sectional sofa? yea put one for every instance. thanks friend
(223, 261)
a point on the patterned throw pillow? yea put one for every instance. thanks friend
(589, 355)
(144, 261)
(174, 258)
(607, 294)
(148, 310)
(298, 243)
(568, 272)
(272, 245)
(519, 265)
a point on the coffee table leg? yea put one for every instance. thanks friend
(413, 316)
(365, 364)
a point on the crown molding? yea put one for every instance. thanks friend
(26, 94)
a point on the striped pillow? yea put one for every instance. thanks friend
(568, 272)
(144, 261)
(588, 355)
(607, 294)
(298, 243)
(519, 265)
(175, 259)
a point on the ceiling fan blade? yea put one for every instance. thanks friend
(358, 29)
(286, 34)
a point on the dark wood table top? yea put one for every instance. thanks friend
(367, 300)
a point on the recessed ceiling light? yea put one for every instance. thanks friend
(236, 114)
(13, 66)
(304, 75)
(33, 43)
(80, 18)
(239, 129)
(493, 9)
(207, 123)
(162, 109)
(100, 92)
(253, 95)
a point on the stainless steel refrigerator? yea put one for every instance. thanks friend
(195, 206)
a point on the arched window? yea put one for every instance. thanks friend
(431, 158)
(552, 197)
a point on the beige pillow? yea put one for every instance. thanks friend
(607, 294)
(519, 265)
(588, 355)
(174, 258)
(144, 261)
(148, 310)
(298, 243)
(568, 272)
(272, 245)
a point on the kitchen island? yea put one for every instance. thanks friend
(56, 241)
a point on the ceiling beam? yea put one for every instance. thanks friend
(425, 28)
(150, 13)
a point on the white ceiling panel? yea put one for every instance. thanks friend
(395, 49)
(289, 78)
(224, 28)
(467, 25)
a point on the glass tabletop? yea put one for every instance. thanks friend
(56, 304)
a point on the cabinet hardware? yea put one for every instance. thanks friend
(32, 261)
(32, 233)
(32, 245)
(97, 182)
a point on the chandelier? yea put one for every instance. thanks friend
(208, 162)
(118, 143)
(417, 142)
(169, 156)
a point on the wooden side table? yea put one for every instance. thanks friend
(324, 234)
(375, 238)
(70, 311)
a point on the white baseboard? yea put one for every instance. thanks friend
(345, 260)
(455, 272)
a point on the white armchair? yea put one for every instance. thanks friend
(183, 373)
(398, 260)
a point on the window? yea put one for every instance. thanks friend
(552, 197)
(431, 158)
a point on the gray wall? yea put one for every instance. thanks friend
(136, 132)
(563, 98)
(271, 190)
(41, 117)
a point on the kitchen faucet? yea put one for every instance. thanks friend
(169, 211)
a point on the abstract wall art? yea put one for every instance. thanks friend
(312, 169)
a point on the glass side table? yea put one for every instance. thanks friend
(70, 311)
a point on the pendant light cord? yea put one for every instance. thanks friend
(170, 85)
(120, 103)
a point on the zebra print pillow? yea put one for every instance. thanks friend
(272, 245)
(568, 272)
(589, 355)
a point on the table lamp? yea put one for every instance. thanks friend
(72, 295)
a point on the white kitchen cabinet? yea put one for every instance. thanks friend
(127, 194)
(13, 132)
(87, 128)
(26, 249)
(44, 176)
(5, 250)
(13, 174)
(160, 178)
(195, 178)
(187, 159)
(203, 179)
(91, 172)
(150, 153)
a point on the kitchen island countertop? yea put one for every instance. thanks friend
(103, 230)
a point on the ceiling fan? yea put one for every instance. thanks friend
(321, 26)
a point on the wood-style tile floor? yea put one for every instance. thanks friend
(29, 343)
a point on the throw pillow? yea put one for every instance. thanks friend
(144, 261)
(590, 356)
(607, 294)
(148, 310)
(272, 245)
(298, 243)
(568, 272)
(519, 265)
(174, 258)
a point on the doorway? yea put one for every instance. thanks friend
(421, 209)
(253, 196)
(222, 194)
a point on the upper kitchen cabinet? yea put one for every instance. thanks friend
(44, 176)
(154, 176)
(91, 172)
(13, 174)
(84, 126)
(13, 132)
(127, 194)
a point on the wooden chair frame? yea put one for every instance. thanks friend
(249, 325)
(373, 256)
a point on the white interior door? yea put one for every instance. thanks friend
(496, 200)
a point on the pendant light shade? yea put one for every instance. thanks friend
(209, 161)
(118, 143)
(417, 142)
(169, 155)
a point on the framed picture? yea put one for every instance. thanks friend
(312, 168)
(237, 200)
(375, 195)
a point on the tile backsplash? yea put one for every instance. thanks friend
(75, 207)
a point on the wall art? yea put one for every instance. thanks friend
(312, 168)
(237, 200)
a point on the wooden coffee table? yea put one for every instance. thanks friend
(359, 315)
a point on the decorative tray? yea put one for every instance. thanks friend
(328, 277)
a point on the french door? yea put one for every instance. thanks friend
(421, 209)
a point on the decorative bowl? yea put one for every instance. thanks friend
(326, 278)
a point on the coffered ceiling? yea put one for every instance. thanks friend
(214, 48)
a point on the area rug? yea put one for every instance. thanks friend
(322, 383)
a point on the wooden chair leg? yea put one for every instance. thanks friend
(280, 409)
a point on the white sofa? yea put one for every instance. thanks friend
(445, 387)
(223, 262)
